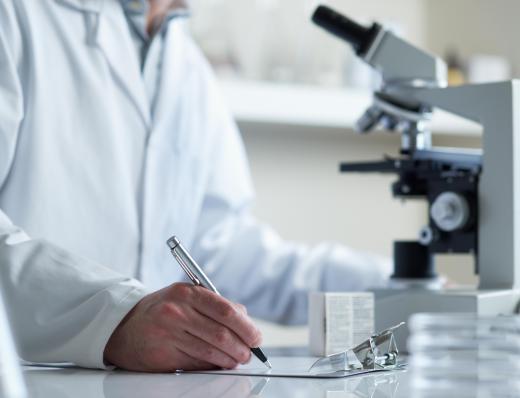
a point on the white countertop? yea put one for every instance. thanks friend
(83, 383)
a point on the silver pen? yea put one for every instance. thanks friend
(199, 278)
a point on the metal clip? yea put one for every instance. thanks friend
(378, 352)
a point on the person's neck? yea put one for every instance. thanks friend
(158, 11)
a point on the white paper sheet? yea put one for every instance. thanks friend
(284, 367)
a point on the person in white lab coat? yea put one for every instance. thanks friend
(113, 137)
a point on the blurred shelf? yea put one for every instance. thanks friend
(300, 105)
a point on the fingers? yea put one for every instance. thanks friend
(226, 313)
(241, 308)
(165, 332)
(201, 350)
(219, 336)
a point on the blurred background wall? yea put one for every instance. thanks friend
(272, 63)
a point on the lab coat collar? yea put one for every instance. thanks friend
(120, 54)
(83, 5)
(174, 5)
(117, 48)
(96, 5)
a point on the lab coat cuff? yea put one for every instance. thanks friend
(112, 319)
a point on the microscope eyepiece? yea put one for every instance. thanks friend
(359, 36)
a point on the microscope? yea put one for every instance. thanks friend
(473, 196)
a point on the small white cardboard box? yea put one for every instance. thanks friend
(339, 321)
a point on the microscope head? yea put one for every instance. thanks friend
(402, 67)
(399, 62)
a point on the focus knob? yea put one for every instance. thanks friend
(450, 211)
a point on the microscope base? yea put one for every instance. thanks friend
(395, 306)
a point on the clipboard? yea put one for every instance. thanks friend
(297, 367)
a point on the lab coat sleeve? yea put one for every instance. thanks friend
(248, 261)
(62, 308)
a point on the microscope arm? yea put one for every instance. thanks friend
(496, 106)
(476, 102)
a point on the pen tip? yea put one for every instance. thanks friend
(268, 364)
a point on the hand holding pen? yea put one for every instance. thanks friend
(182, 327)
(199, 278)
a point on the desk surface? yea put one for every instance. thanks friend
(82, 383)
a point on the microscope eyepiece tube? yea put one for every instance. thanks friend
(360, 37)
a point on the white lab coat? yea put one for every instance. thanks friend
(92, 183)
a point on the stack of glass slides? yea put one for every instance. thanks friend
(463, 355)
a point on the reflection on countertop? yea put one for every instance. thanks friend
(82, 383)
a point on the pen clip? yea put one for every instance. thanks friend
(186, 269)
